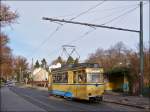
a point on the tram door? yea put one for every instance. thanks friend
(80, 82)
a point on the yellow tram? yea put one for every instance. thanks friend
(81, 81)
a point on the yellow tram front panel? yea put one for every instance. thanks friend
(94, 90)
(95, 84)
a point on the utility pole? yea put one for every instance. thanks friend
(20, 75)
(32, 73)
(141, 50)
(140, 33)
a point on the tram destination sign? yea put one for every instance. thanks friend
(94, 70)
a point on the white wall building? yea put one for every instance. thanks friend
(40, 74)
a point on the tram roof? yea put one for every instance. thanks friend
(77, 66)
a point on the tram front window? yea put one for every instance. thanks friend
(94, 78)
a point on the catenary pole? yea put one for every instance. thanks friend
(141, 50)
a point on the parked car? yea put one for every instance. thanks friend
(10, 83)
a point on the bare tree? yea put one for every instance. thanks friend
(20, 66)
(7, 16)
(118, 55)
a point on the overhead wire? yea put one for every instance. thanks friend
(90, 31)
(109, 15)
(82, 36)
(114, 8)
(67, 15)
(91, 8)
(82, 13)
(115, 18)
(85, 34)
(125, 13)
(45, 40)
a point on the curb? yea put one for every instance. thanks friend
(147, 108)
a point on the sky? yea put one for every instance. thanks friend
(33, 37)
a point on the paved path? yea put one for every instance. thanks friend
(12, 102)
(41, 100)
(136, 101)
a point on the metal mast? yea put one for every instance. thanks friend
(141, 49)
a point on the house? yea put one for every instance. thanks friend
(40, 74)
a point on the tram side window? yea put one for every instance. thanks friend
(60, 78)
(82, 78)
(54, 78)
(64, 77)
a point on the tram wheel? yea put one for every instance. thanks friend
(91, 100)
(99, 99)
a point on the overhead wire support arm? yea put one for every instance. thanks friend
(88, 24)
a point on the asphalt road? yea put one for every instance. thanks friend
(41, 100)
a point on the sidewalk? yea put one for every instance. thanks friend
(12, 102)
(136, 101)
